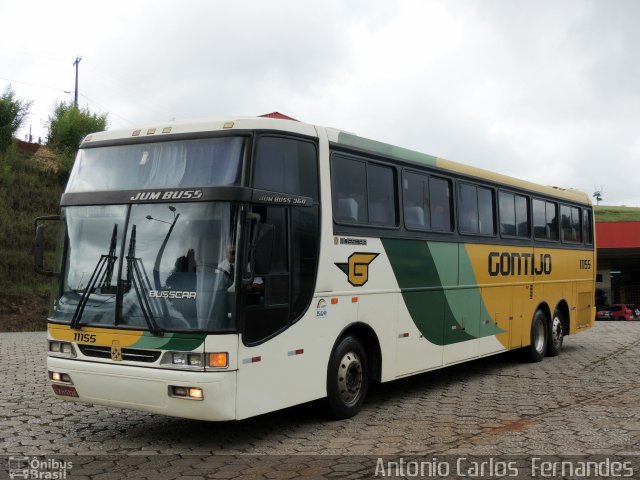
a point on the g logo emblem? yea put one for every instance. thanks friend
(357, 268)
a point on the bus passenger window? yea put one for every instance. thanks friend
(570, 220)
(545, 220)
(349, 185)
(440, 204)
(382, 194)
(587, 226)
(514, 215)
(415, 201)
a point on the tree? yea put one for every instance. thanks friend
(68, 125)
(13, 113)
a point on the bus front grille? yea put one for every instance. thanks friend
(130, 354)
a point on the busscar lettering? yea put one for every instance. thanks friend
(519, 263)
(172, 294)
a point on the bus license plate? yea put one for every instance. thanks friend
(65, 390)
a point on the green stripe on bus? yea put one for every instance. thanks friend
(386, 149)
(171, 341)
(425, 272)
(421, 284)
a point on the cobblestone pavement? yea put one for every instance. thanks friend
(584, 402)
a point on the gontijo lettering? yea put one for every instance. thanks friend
(514, 263)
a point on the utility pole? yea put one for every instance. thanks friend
(75, 97)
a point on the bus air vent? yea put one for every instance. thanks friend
(130, 354)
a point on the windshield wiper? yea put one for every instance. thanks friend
(135, 269)
(100, 276)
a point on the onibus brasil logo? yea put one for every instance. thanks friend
(38, 468)
(357, 267)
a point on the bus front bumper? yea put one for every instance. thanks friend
(147, 389)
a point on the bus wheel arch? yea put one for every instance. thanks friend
(354, 362)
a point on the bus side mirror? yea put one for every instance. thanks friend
(39, 244)
(263, 251)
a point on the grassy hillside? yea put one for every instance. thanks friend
(30, 185)
(605, 213)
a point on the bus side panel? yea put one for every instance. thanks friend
(505, 274)
(379, 310)
(461, 321)
(414, 352)
(290, 368)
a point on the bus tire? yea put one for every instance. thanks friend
(556, 335)
(347, 378)
(538, 346)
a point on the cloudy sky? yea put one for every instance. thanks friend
(544, 90)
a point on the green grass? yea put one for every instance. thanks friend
(604, 213)
(26, 191)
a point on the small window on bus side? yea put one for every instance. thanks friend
(416, 201)
(286, 165)
(587, 226)
(381, 188)
(514, 215)
(545, 220)
(363, 192)
(475, 210)
(570, 221)
(349, 185)
(440, 204)
(426, 202)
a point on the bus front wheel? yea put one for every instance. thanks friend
(347, 378)
(538, 347)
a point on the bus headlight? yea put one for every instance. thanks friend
(186, 360)
(61, 349)
(195, 361)
(190, 393)
(60, 377)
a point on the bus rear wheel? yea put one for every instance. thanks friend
(556, 335)
(538, 346)
(347, 378)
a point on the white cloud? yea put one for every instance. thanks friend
(544, 90)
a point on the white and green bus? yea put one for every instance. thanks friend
(223, 269)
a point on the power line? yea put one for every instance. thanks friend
(35, 84)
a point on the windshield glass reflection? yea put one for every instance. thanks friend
(205, 163)
(89, 263)
(177, 267)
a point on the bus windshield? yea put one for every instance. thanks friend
(172, 269)
(187, 163)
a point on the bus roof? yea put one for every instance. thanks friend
(339, 137)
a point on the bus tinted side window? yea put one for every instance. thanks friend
(286, 165)
(587, 226)
(440, 204)
(514, 215)
(545, 220)
(363, 192)
(426, 202)
(381, 195)
(475, 210)
(416, 201)
(570, 221)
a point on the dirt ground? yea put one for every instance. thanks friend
(23, 314)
